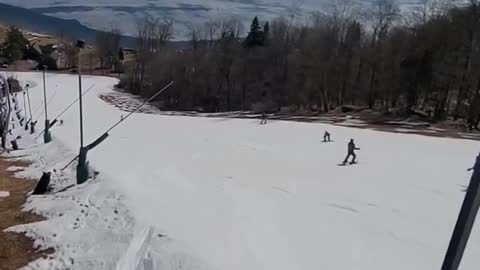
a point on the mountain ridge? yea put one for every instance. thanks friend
(43, 24)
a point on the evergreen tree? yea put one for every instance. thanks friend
(255, 27)
(266, 33)
(255, 36)
(15, 45)
(47, 61)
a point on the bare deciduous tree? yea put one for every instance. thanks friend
(429, 67)
(153, 35)
(108, 46)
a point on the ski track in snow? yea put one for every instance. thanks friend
(179, 192)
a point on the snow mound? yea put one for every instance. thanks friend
(14, 168)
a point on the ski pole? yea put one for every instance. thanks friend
(65, 110)
(25, 113)
(29, 104)
(25, 104)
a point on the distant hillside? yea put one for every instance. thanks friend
(36, 22)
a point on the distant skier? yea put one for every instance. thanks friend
(264, 119)
(32, 127)
(326, 137)
(15, 102)
(351, 152)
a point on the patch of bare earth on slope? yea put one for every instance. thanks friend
(16, 250)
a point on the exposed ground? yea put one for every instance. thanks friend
(16, 250)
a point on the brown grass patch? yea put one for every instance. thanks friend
(16, 250)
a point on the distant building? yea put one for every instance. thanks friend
(40, 40)
(127, 57)
(59, 57)
(52, 51)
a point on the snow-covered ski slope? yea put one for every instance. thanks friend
(211, 193)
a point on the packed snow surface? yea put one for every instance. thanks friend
(179, 192)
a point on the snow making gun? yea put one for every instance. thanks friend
(104, 136)
(55, 120)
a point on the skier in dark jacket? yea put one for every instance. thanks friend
(351, 152)
(326, 137)
(264, 119)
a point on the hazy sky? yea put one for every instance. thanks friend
(104, 14)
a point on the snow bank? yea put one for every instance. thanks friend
(195, 193)
(14, 168)
(89, 225)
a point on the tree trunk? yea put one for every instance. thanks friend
(463, 83)
(326, 103)
(371, 90)
(243, 97)
(441, 108)
(358, 79)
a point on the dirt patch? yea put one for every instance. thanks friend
(16, 250)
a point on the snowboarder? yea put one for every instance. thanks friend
(326, 137)
(264, 119)
(351, 152)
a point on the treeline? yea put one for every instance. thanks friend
(427, 62)
(15, 45)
